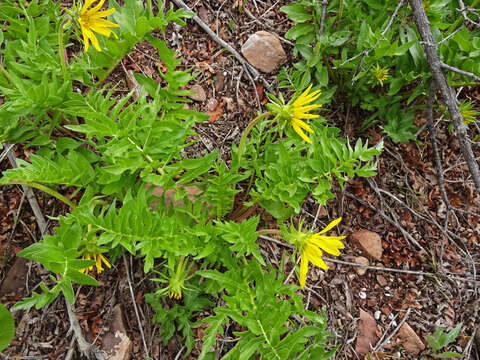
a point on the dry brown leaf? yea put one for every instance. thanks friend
(216, 113)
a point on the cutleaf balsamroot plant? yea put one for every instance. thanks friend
(117, 156)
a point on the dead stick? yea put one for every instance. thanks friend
(32, 200)
(85, 348)
(431, 50)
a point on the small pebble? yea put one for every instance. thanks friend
(394, 323)
(377, 314)
(391, 316)
(362, 295)
(387, 288)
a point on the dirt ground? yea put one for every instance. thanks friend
(402, 205)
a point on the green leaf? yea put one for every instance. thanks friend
(439, 339)
(299, 30)
(447, 354)
(296, 12)
(216, 322)
(7, 331)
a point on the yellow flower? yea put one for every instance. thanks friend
(175, 295)
(300, 110)
(99, 258)
(311, 247)
(91, 21)
(381, 75)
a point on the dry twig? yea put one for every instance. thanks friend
(134, 302)
(42, 224)
(85, 348)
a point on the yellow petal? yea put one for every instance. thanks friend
(86, 5)
(327, 245)
(103, 23)
(105, 261)
(101, 30)
(308, 108)
(300, 132)
(314, 255)
(303, 125)
(307, 98)
(103, 13)
(97, 7)
(301, 115)
(99, 265)
(303, 270)
(331, 225)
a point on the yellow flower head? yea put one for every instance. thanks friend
(300, 110)
(296, 111)
(311, 247)
(381, 75)
(172, 294)
(91, 21)
(99, 259)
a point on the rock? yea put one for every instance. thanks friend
(219, 82)
(367, 333)
(409, 340)
(14, 282)
(116, 343)
(212, 104)
(264, 51)
(381, 280)
(369, 242)
(198, 93)
(362, 261)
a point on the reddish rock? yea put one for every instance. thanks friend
(116, 343)
(361, 261)
(407, 337)
(198, 93)
(264, 51)
(369, 242)
(367, 333)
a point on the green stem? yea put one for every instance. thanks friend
(61, 49)
(270, 231)
(45, 189)
(180, 264)
(247, 131)
(109, 70)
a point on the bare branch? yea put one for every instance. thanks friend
(461, 72)
(431, 50)
(32, 200)
(134, 302)
(463, 10)
(324, 12)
